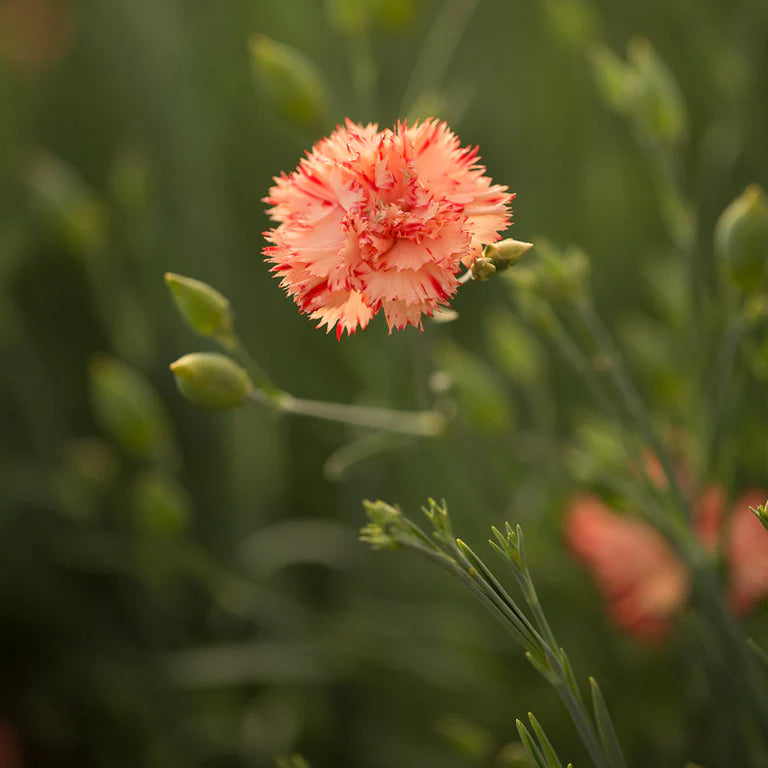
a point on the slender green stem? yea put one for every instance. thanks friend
(583, 725)
(418, 423)
(487, 596)
(361, 449)
(439, 46)
(574, 355)
(532, 598)
(421, 423)
(259, 377)
(675, 209)
(725, 363)
(631, 398)
(364, 71)
(573, 704)
(747, 677)
(501, 595)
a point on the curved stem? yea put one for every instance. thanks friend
(257, 374)
(725, 363)
(421, 423)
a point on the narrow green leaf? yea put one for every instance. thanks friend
(570, 678)
(531, 749)
(757, 650)
(541, 668)
(520, 545)
(526, 628)
(499, 536)
(605, 729)
(546, 746)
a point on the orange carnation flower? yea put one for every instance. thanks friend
(376, 220)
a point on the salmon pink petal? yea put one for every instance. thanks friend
(708, 515)
(746, 552)
(345, 310)
(641, 578)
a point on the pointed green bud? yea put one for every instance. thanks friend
(741, 239)
(203, 307)
(128, 408)
(573, 22)
(294, 83)
(67, 203)
(482, 268)
(212, 381)
(614, 78)
(561, 276)
(657, 103)
(505, 253)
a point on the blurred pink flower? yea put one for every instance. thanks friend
(747, 554)
(35, 34)
(381, 220)
(644, 581)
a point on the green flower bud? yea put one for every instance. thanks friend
(67, 203)
(482, 269)
(210, 380)
(561, 276)
(293, 82)
(657, 103)
(573, 22)
(613, 77)
(741, 239)
(643, 89)
(128, 408)
(203, 307)
(348, 17)
(505, 253)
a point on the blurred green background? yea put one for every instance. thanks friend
(184, 588)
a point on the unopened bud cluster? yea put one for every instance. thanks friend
(499, 256)
(762, 514)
